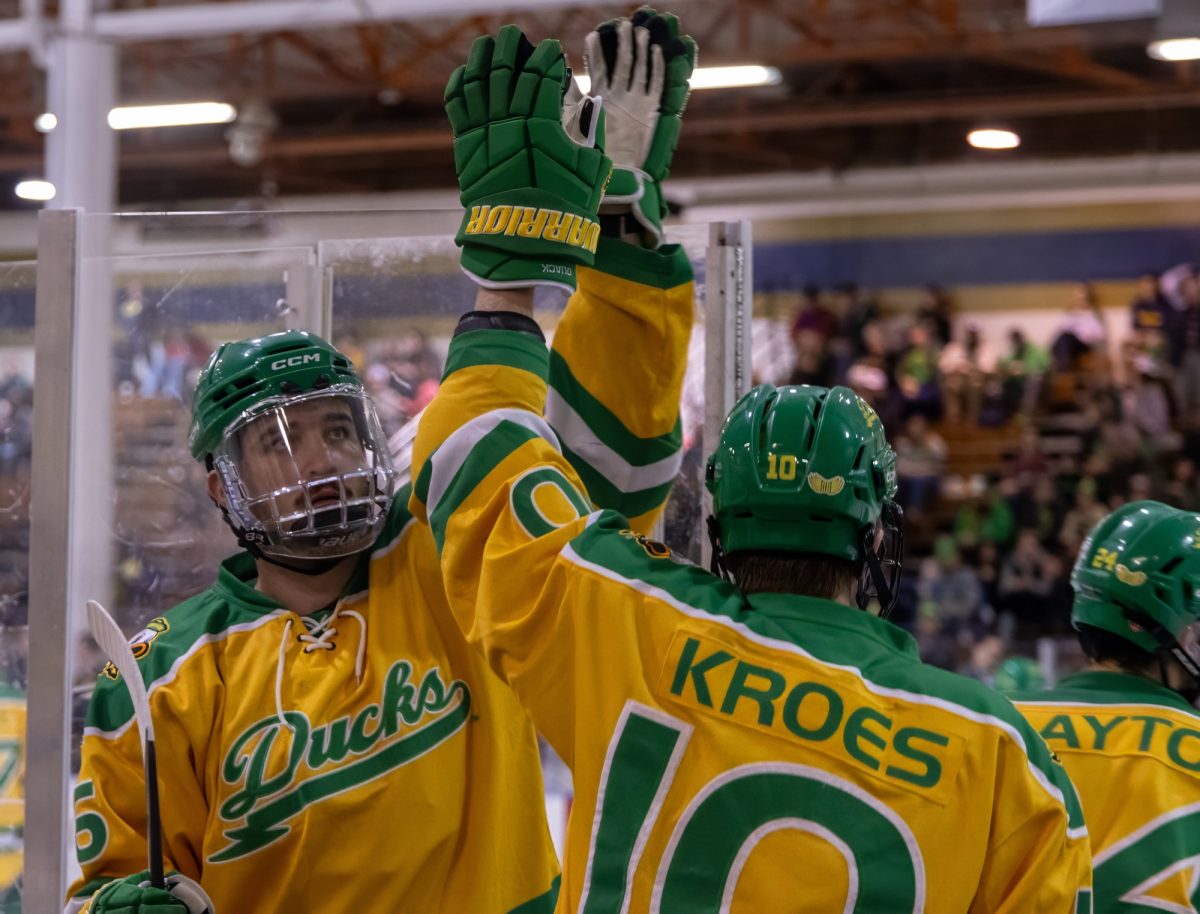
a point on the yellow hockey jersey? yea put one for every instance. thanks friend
(12, 794)
(395, 772)
(770, 753)
(1132, 747)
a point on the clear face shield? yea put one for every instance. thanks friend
(310, 476)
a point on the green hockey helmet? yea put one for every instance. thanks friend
(1019, 674)
(243, 374)
(284, 421)
(1138, 577)
(808, 469)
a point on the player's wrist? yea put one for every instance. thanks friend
(512, 301)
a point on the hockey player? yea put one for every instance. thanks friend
(1125, 728)
(327, 739)
(754, 744)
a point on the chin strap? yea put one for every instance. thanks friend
(310, 567)
(717, 563)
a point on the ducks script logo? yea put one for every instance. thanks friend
(312, 764)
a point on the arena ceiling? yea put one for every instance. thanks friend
(866, 83)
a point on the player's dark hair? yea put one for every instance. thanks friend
(1101, 645)
(804, 573)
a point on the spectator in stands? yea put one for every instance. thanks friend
(870, 373)
(16, 436)
(1185, 351)
(1030, 461)
(916, 373)
(965, 366)
(1172, 281)
(1149, 308)
(1182, 489)
(937, 310)
(984, 658)
(388, 403)
(1026, 582)
(951, 588)
(1145, 402)
(813, 316)
(1081, 331)
(987, 567)
(1084, 514)
(812, 330)
(989, 520)
(1021, 371)
(1119, 442)
(1036, 507)
(920, 464)
(855, 311)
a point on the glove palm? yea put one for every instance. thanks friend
(641, 68)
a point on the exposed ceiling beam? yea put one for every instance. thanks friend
(259, 16)
(966, 108)
(780, 118)
(1070, 63)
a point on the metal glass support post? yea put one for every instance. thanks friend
(305, 307)
(728, 303)
(81, 155)
(48, 727)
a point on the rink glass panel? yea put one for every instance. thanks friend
(17, 285)
(170, 289)
(395, 302)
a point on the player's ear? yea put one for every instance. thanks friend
(216, 491)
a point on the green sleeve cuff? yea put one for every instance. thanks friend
(664, 268)
(505, 348)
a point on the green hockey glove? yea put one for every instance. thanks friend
(531, 191)
(134, 895)
(640, 67)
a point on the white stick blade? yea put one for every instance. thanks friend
(116, 648)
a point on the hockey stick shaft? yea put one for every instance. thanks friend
(153, 819)
(115, 646)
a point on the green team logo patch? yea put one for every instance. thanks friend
(411, 718)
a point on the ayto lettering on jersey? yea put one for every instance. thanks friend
(283, 768)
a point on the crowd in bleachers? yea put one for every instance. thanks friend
(1007, 456)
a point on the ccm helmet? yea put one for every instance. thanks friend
(284, 421)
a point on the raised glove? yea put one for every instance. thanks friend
(530, 190)
(134, 895)
(640, 67)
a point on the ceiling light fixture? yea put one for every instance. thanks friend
(993, 138)
(738, 77)
(182, 115)
(1174, 49)
(45, 122)
(35, 189)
